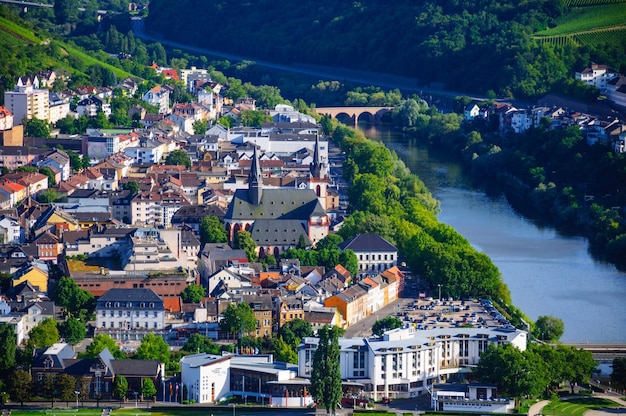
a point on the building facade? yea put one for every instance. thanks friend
(406, 362)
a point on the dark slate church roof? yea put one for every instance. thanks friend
(284, 204)
(278, 232)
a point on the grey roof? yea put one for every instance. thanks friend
(191, 214)
(126, 295)
(199, 360)
(278, 232)
(367, 242)
(135, 368)
(297, 204)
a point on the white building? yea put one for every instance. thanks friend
(374, 253)
(27, 101)
(130, 309)
(406, 362)
(596, 75)
(11, 231)
(158, 97)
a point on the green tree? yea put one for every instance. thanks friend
(618, 375)
(99, 343)
(48, 387)
(516, 373)
(66, 386)
(200, 126)
(193, 293)
(148, 390)
(244, 241)
(212, 230)
(330, 242)
(8, 346)
(198, 343)
(282, 351)
(66, 11)
(153, 347)
(292, 332)
(578, 365)
(47, 196)
(548, 328)
(177, 158)
(20, 386)
(44, 334)
(77, 302)
(131, 186)
(326, 374)
(252, 118)
(76, 162)
(85, 161)
(238, 319)
(385, 324)
(349, 260)
(73, 330)
(48, 172)
(36, 128)
(120, 387)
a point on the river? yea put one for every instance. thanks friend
(546, 272)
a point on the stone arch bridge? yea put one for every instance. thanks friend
(374, 114)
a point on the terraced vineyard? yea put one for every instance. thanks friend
(590, 22)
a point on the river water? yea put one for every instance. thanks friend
(546, 272)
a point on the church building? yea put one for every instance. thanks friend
(280, 218)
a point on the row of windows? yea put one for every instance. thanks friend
(123, 314)
(122, 325)
(380, 257)
(129, 304)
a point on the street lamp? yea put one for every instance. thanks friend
(233, 405)
(135, 393)
(76, 392)
(439, 284)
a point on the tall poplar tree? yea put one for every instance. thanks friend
(326, 374)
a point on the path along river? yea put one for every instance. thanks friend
(547, 273)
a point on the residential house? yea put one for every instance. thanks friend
(14, 191)
(158, 97)
(373, 252)
(11, 232)
(12, 157)
(6, 118)
(596, 75)
(48, 247)
(129, 310)
(51, 360)
(92, 105)
(60, 160)
(35, 272)
(33, 181)
(100, 373)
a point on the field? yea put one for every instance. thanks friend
(18, 31)
(576, 407)
(592, 24)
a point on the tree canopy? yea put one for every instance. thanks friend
(385, 324)
(326, 374)
(548, 328)
(212, 230)
(178, 158)
(238, 319)
(193, 293)
(153, 347)
(99, 343)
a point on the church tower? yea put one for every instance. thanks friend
(255, 179)
(318, 177)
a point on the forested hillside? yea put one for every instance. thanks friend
(474, 46)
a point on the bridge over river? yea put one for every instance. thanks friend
(372, 115)
(603, 352)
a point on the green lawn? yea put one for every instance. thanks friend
(576, 407)
(588, 18)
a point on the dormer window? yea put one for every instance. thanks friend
(142, 304)
(108, 304)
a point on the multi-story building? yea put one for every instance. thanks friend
(406, 362)
(130, 309)
(596, 75)
(27, 101)
(374, 253)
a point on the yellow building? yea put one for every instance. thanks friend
(35, 272)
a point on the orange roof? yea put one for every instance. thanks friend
(370, 282)
(173, 304)
(171, 73)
